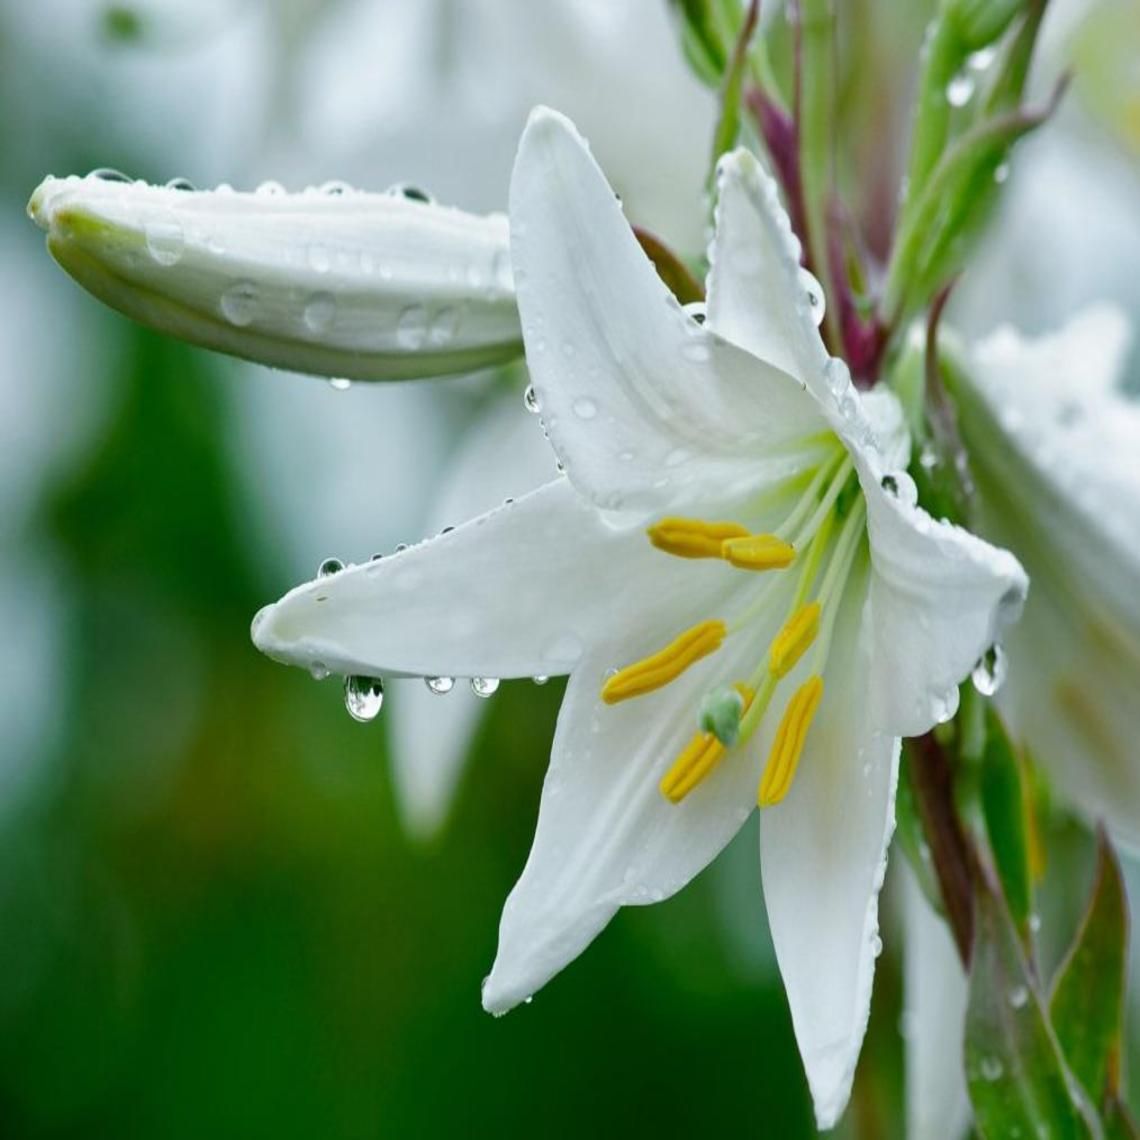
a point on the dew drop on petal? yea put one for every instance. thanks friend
(412, 327)
(484, 686)
(531, 401)
(239, 303)
(320, 310)
(439, 685)
(838, 375)
(443, 327)
(363, 697)
(339, 384)
(989, 673)
(335, 188)
(181, 184)
(318, 670)
(540, 679)
(329, 567)
(165, 240)
(108, 174)
(816, 300)
(409, 192)
(585, 408)
(697, 311)
(270, 189)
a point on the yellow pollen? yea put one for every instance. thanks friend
(693, 538)
(698, 758)
(662, 667)
(793, 640)
(789, 744)
(758, 552)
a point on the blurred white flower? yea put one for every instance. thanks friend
(657, 417)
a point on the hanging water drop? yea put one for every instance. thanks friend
(989, 673)
(339, 384)
(439, 685)
(329, 567)
(484, 686)
(540, 679)
(107, 174)
(318, 670)
(239, 303)
(363, 697)
(165, 240)
(813, 291)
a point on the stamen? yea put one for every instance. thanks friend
(758, 552)
(700, 756)
(662, 667)
(790, 644)
(693, 538)
(789, 743)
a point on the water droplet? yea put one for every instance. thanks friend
(339, 383)
(440, 685)
(838, 376)
(181, 184)
(989, 673)
(444, 326)
(363, 697)
(1035, 922)
(816, 300)
(901, 486)
(1018, 997)
(270, 189)
(320, 309)
(1001, 173)
(410, 192)
(540, 679)
(697, 311)
(329, 567)
(585, 408)
(412, 327)
(165, 240)
(876, 946)
(982, 58)
(484, 686)
(239, 303)
(960, 89)
(318, 670)
(335, 189)
(107, 174)
(992, 1068)
(319, 259)
(400, 548)
(531, 401)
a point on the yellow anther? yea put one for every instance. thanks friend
(793, 640)
(758, 552)
(789, 744)
(659, 669)
(693, 538)
(700, 756)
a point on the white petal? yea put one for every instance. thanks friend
(430, 737)
(940, 597)
(522, 590)
(757, 294)
(364, 286)
(1053, 445)
(937, 1105)
(503, 454)
(606, 836)
(644, 406)
(823, 853)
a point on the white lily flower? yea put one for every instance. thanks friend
(1053, 444)
(810, 613)
(332, 281)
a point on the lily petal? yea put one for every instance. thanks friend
(519, 591)
(1053, 443)
(937, 1105)
(503, 453)
(606, 836)
(355, 285)
(757, 293)
(823, 855)
(940, 598)
(643, 405)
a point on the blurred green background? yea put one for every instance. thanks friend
(211, 920)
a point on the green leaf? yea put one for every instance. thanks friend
(1087, 1006)
(1003, 805)
(1015, 1071)
(706, 35)
(732, 91)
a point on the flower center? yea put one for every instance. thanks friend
(820, 537)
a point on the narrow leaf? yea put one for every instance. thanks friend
(1015, 1072)
(1087, 1006)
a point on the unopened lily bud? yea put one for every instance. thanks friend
(978, 23)
(334, 282)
